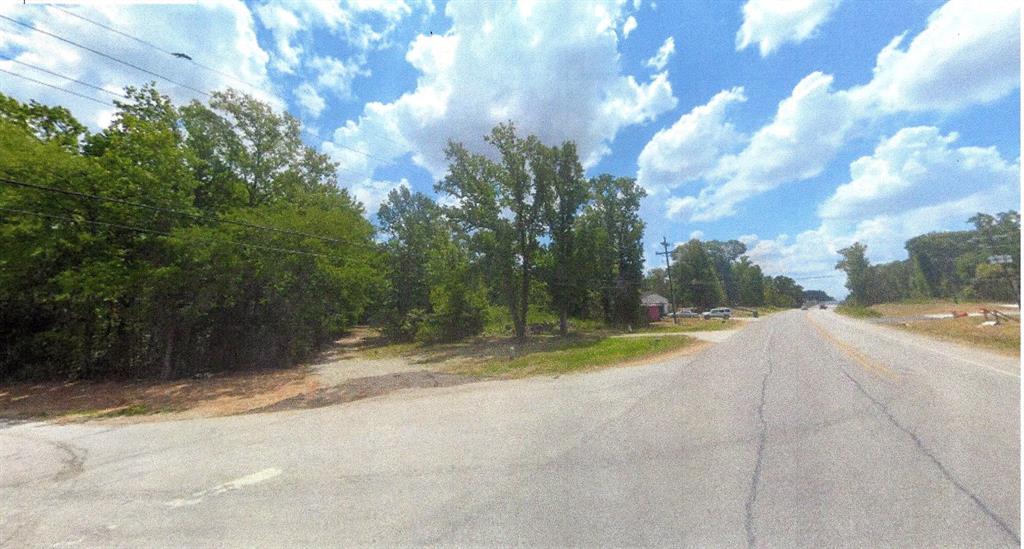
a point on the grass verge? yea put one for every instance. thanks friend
(691, 325)
(856, 311)
(1004, 337)
(574, 354)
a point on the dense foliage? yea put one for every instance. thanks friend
(527, 232)
(144, 249)
(713, 273)
(947, 265)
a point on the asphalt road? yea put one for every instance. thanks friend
(804, 429)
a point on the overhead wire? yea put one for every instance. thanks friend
(147, 43)
(188, 58)
(105, 55)
(65, 77)
(177, 55)
(41, 83)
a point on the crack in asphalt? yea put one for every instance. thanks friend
(881, 405)
(762, 439)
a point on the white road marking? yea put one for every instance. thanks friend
(247, 480)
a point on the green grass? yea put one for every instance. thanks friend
(857, 311)
(691, 325)
(575, 354)
(389, 350)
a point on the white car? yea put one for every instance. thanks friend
(718, 312)
(686, 313)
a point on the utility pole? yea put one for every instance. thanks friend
(668, 273)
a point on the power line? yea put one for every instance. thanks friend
(58, 75)
(108, 56)
(161, 233)
(78, 194)
(41, 83)
(178, 55)
(165, 78)
(182, 56)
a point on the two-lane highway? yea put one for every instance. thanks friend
(805, 429)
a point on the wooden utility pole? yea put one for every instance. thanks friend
(668, 273)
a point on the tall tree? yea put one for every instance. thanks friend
(723, 254)
(506, 200)
(615, 213)
(569, 192)
(414, 224)
(694, 271)
(858, 273)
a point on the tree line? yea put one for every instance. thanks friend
(208, 236)
(942, 265)
(715, 273)
(523, 231)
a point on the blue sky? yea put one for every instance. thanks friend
(799, 127)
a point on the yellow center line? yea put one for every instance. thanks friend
(860, 358)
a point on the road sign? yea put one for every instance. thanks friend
(998, 259)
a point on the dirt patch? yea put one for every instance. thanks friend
(217, 395)
(366, 387)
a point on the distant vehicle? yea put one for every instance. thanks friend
(686, 313)
(718, 312)
(804, 307)
(823, 306)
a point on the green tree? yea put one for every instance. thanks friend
(506, 201)
(858, 274)
(569, 192)
(414, 224)
(749, 282)
(694, 272)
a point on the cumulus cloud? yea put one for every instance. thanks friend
(690, 148)
(914, 168)
(219, 34)
(966, 55)
(371, 193)
(364, 25)
(629, 26)
(807, 131)
(310, 101)
(772, 23)
(916, 181)
(336, 75)
(553, 69)
(661, 58)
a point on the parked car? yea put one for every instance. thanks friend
(686, 313)
(823, 306)
(718, 312)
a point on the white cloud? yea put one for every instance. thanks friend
(968, 54)
(371, 193)
(698, 234)
(808, 129)
(660, 59)
(690, 148)
(772, 23)
(915, 168)
(769, 24)
(629, 26)
(218, 33)
(364, 24)
(965, 56)
(310, 101)
(915, 182)
(336, 75)
(552, 69)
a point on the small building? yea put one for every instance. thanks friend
(654, 305)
